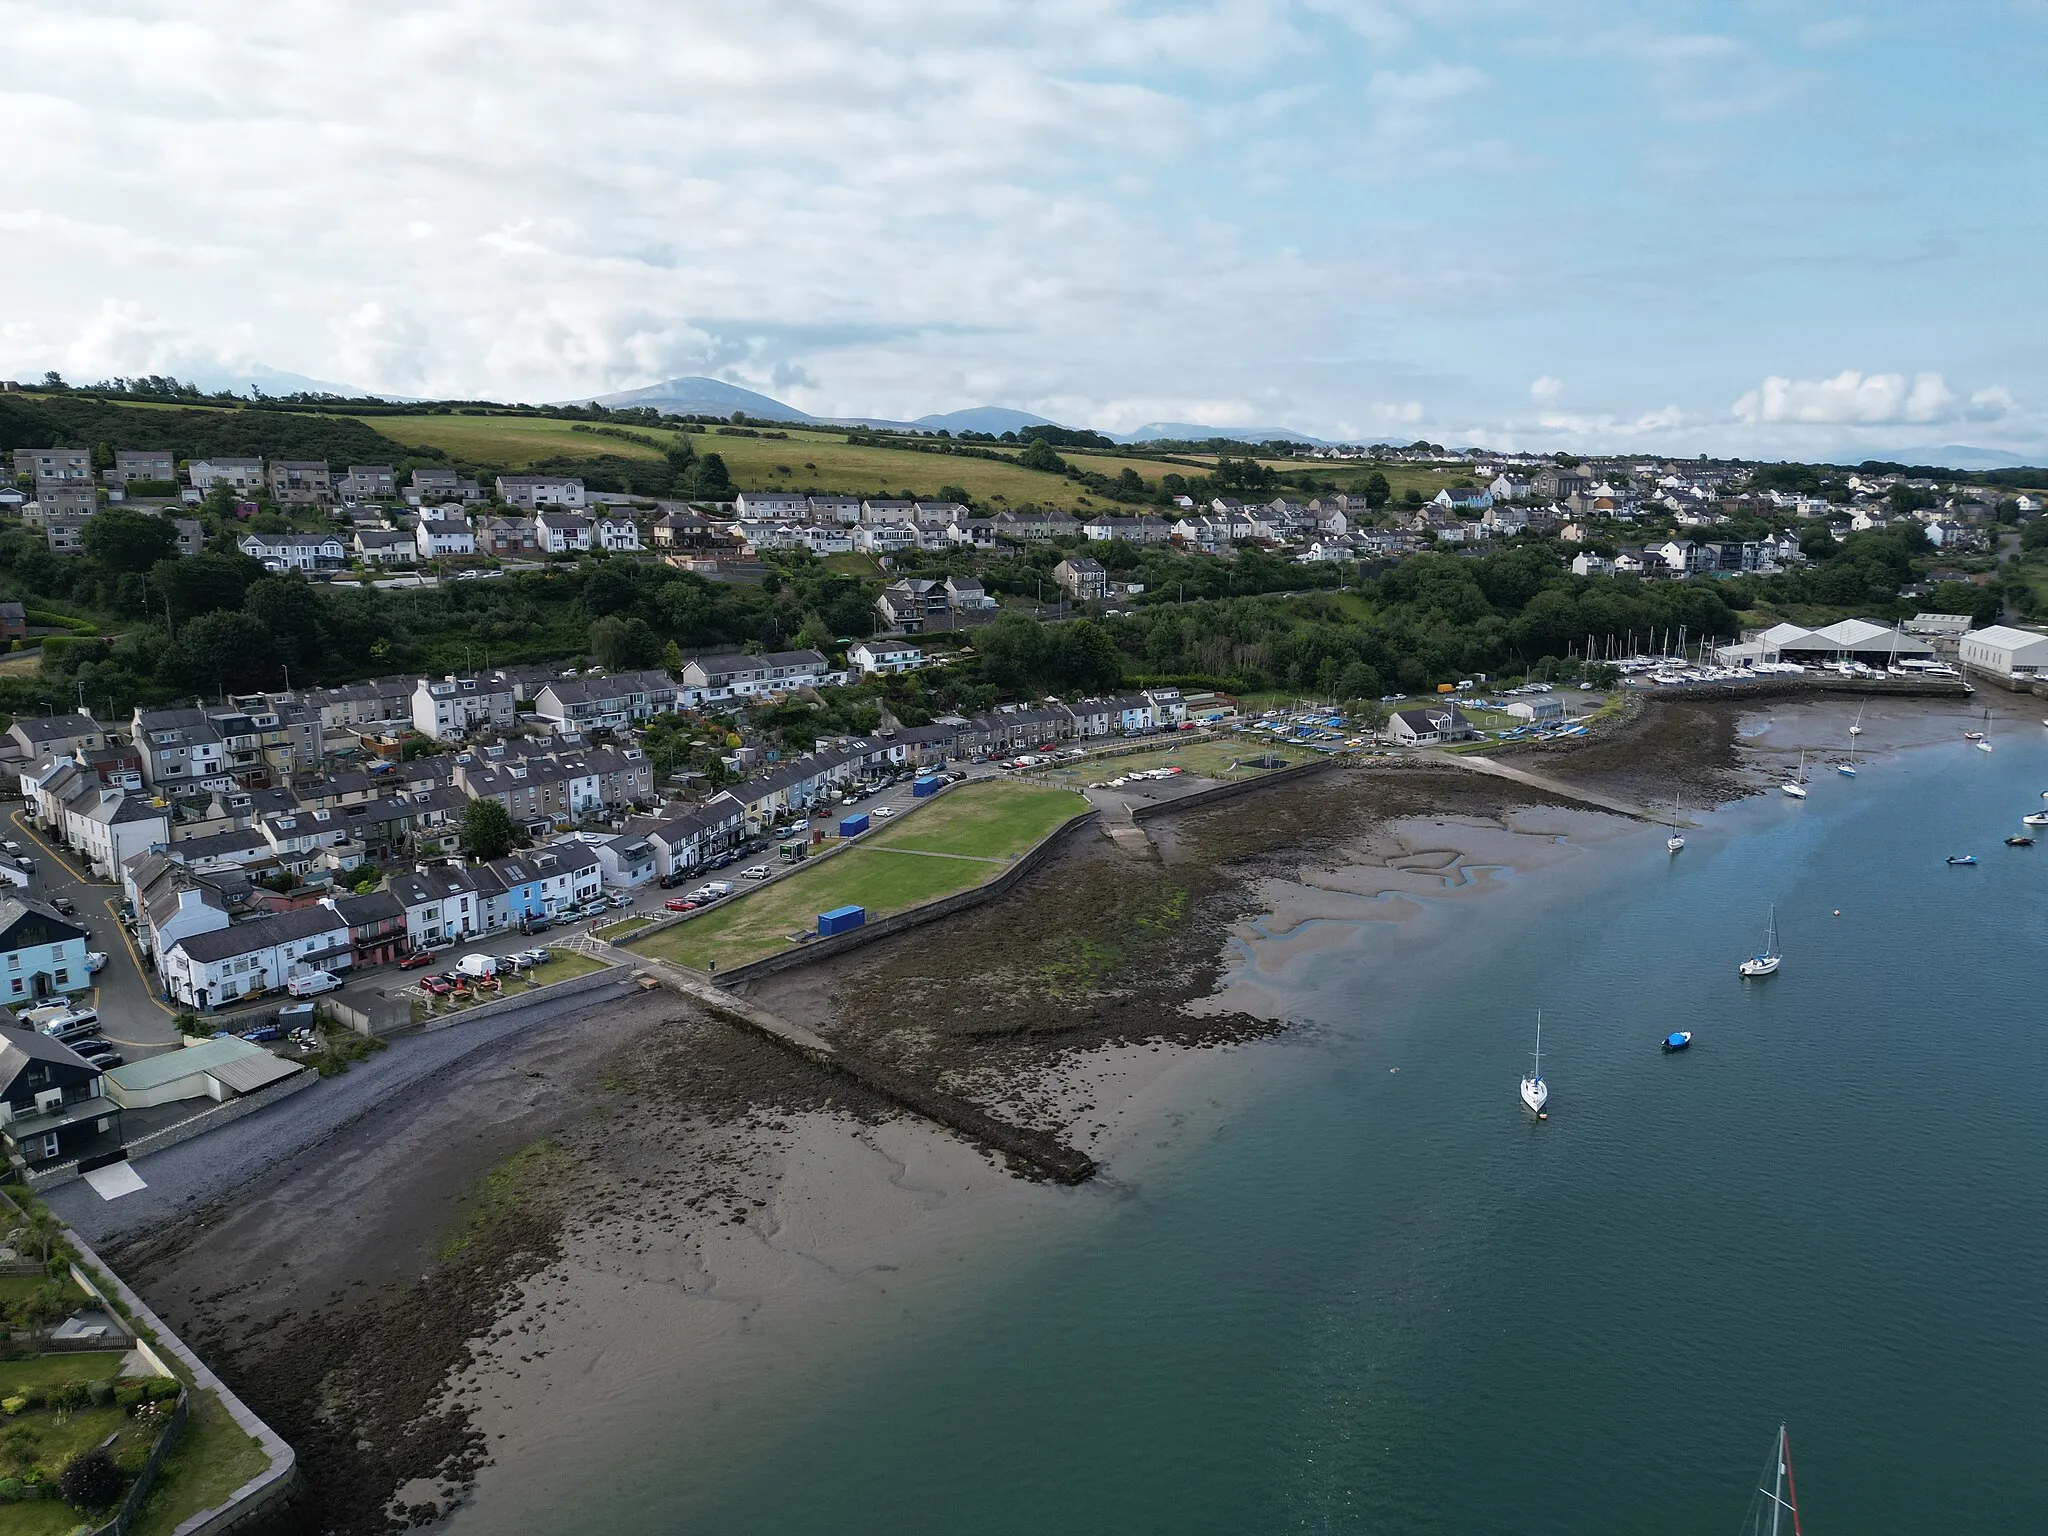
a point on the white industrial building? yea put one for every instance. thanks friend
(1851, 640)
(2005, 652)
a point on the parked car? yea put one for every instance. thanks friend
(312, 984)
(532, 924)
(620, 899)
(438, 986)
(539, 956)
(672, 879)
(592, 909)
(679, 905)
(10, 845)
(63, 904)
(478, 965)
(758, 872)
(885, 810)
(91, 1046)
(95, 961)
(414, 959)
(103, 1061)
(263, 1033)
(801, 824)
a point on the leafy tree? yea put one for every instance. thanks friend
(709, 478)
(955, 493)
(223, 653)
(205, 583)
(1984, 604)
(486, 830)
(1038, 455)
(289, 607)
(121, 539)
(90, 1481)
(1905, 499)
(1377, 492)
(623, 645)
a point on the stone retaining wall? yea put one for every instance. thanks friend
(608, 977)
(213, 1119)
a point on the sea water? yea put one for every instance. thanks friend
(1380, 1297)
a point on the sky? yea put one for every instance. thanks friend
(1783, 230)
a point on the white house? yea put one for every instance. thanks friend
(382, 546)
(626, 861)
(534, 491)
(295, 551)
(238, 474)
(438, 538)
(887, 538)
(441, 901)
(449, 707)
(205, 970)
(880, 656)
(561, 533)
(1433, 723)
(621, 535)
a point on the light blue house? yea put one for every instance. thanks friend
(41, 954)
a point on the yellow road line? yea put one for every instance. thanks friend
(34, 837)
(142, 975)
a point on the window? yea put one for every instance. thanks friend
(63, 977)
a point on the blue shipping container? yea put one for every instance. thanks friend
(840, 920)
(853, 826)
(922, 787)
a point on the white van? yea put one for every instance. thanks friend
(312, 983)
(478, 965)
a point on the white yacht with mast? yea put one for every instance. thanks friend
(1536, 1092)
(1766, 962)
(1796, 787)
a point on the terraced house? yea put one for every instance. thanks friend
(576, 704)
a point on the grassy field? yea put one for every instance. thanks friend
(989, 823)
(1211, 759)
(803, 461)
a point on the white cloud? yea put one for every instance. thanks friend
(1858, 399)
(1545, 388)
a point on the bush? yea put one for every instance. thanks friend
(161, 1389)
(12, 1405)
(73, 1394)
(101, 1392)
(90, 1481)
(130, 1395)
(10, 1490)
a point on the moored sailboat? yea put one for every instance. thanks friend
(1536, 1092)
(1796, 786)
(1776, 1497)
(1766, 962)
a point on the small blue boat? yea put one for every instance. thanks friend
(1962, 858)
(1678, 1041)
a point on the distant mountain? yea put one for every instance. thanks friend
(1152, 431)
(275, 381)
(699, 397)
(1958, 456)
(996, 419)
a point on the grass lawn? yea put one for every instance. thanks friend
(210, 1461)
(18, 1287)
(991, 821)
(55, 1370)
(567, 965)
(624, 928)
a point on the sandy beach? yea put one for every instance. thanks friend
(660, 1214)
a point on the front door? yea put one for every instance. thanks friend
(42, 983)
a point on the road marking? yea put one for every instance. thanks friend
(32, 836)
(115, 1180)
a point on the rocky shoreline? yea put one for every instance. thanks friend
(389, 1299)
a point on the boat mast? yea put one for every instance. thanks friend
(1539, 1045)
(1781, 1484)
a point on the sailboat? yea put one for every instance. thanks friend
(1984, 736)
(1766, 962)
(1856, 729)
(1796, 787)
(1847, 767)
(1536, 1092)
(1674, 843)
(1776, 1497)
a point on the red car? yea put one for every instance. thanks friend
(439, 986)
(415, 960)
(679, 905)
